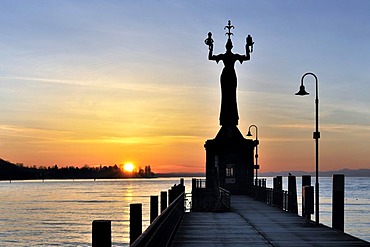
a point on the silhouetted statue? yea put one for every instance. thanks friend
(229, 110)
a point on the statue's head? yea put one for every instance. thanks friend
(229, 45)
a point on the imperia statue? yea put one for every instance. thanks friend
(229, 110)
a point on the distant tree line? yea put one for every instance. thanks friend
(146, 172)
(10, 171)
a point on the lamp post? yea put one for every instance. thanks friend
(256, 166)
(316, 136)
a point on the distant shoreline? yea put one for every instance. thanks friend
(10, 171)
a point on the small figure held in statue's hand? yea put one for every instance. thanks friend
(209, 41)
(250, 43)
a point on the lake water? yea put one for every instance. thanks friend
(60, 212)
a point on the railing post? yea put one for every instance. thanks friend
(338, 202)
(170, 196)
(173, 193)
(193, 183)
(135, 221)
(153, 208)
(101, 233)
(288, 198)
(163, 200)
(273, 191)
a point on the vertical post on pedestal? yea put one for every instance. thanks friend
(292, 194)
(136, 216)
(101, 233)
(338, 202)
(153, 208)
(163, 200)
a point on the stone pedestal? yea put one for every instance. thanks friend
(229, 161)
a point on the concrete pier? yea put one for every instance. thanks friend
(253, 223)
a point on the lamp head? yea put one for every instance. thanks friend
(249, 133)
(302, 91)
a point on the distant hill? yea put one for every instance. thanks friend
(346, 172)
(6, 165)
(11, 171)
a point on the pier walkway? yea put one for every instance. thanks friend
(253, 223)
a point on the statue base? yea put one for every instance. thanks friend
(229, 161)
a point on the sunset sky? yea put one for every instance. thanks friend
(107, 82)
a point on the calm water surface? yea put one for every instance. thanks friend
(60, 212)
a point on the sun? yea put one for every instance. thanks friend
(128, 167)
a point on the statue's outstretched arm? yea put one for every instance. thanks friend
(216, 58)
(242, 58)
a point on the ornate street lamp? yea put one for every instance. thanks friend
(316, 136)
(256, 166)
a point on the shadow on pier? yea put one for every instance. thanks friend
(254, 223)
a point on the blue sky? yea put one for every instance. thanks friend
(90, 82)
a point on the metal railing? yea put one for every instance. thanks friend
(223, 200)
(164, 227)
(279, 198)
(208, 199)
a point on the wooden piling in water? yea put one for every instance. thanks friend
(135, 221)
(306, 181)
(308, 201)
(101, 233)
(338, 202)
(292, 192)
(163, 200)
(278, 187)
(279, 182)
(153, 208)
